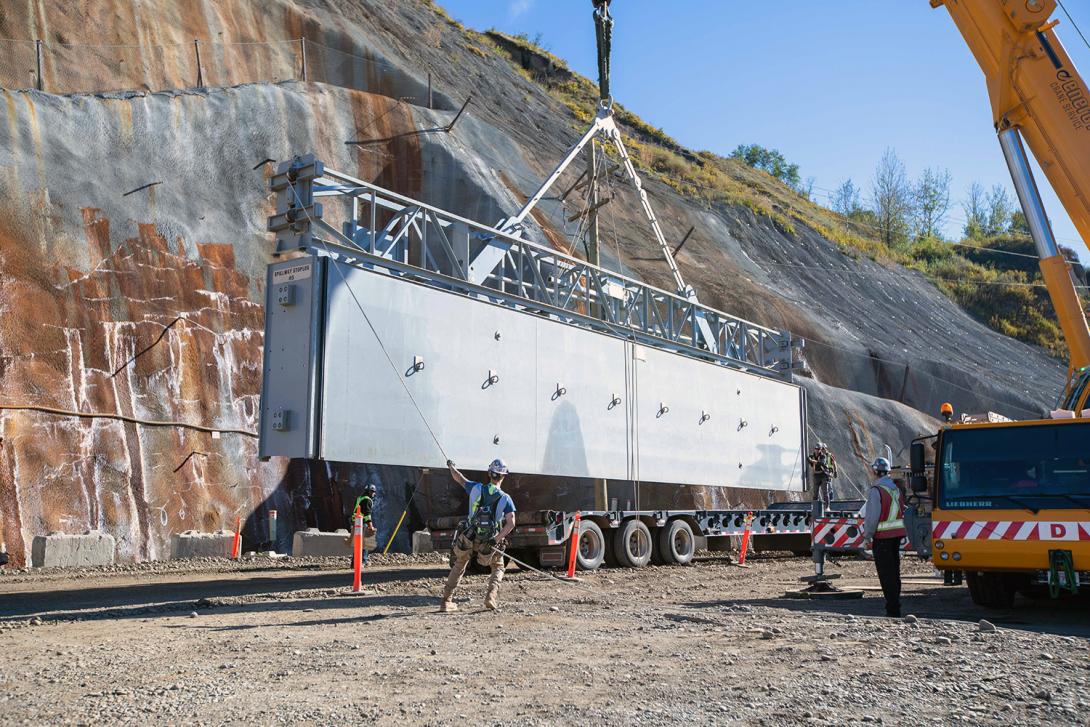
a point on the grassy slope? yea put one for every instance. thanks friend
(998, 290)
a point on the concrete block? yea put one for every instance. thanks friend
(61, 550)
(195, 544)
(422, 542)
(315, 543)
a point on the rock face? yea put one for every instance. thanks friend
(143, 301)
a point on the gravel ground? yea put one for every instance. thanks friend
(271, 642)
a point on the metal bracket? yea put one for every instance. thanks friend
(281, 420)
(295, 205)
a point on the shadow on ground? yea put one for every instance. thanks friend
(1064, 617)
(140, 599)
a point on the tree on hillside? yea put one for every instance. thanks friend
(845, 199)
(892, 199)
(976, 214)
(806, 188)
(1019, 223)
(771, 161)
(1000, 208)
(931, 198)
(988, 214)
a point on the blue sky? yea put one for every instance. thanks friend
(831, 85)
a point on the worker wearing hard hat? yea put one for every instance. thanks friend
(883, 529)
(823, 464)
(365, 505)
(491, 520)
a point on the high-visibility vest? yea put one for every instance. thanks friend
(891, 524)
(359, 507)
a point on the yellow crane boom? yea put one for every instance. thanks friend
(1037, 95)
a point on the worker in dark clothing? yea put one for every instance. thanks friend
(883, 529)
(365, 505)
(823, 463)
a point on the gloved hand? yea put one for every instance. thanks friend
(450, 463)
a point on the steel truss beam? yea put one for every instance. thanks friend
(397, 235)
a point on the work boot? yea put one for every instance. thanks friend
(448, 606)
(491, 600)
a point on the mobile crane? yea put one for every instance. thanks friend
(1010, 501)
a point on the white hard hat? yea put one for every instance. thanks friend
(498, 467)
(822, 445)
(881, 464)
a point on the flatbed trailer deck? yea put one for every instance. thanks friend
(635, 538)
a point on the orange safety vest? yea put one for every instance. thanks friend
(891, 523)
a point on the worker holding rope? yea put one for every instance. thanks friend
(491, 520)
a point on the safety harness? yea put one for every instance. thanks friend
(482, 525)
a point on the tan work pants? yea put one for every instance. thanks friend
(464, 549)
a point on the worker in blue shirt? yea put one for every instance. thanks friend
(491, 520)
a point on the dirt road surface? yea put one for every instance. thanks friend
(272, 642)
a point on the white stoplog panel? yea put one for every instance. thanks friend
(561, 403)
(722, 426)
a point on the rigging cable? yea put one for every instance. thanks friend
(1073, 23)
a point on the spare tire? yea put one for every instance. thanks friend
(591, 551)
(676, 543)
(632, 544)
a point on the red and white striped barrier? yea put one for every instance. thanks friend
(844, 533)
(838, 532)
(1009, 530)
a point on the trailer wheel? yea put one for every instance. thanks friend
(676, 543)
(991, 590)
(656, 549)
(592, 546)
(610, 559)
(632, 544)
